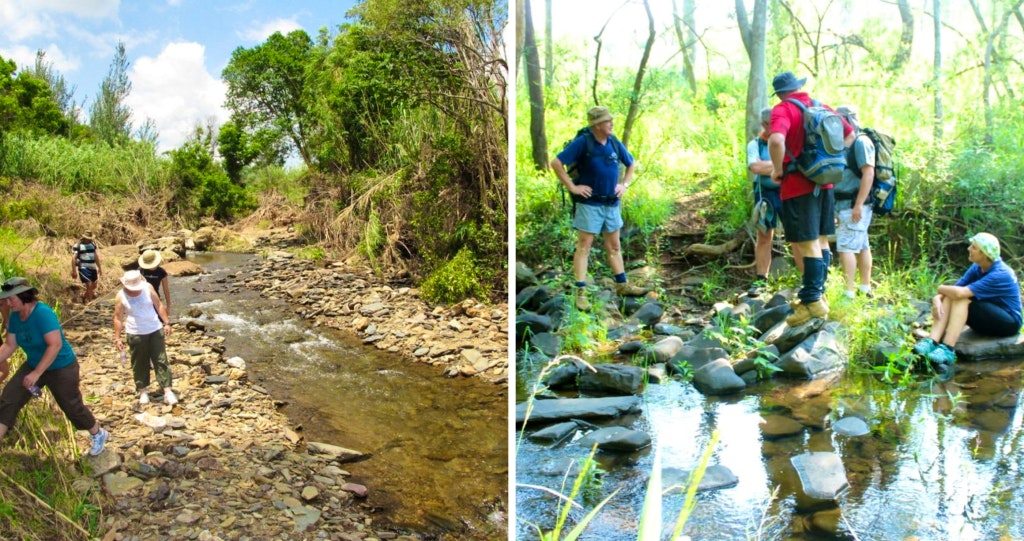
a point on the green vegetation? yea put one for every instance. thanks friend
(402, 163)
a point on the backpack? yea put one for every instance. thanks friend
(573, 170)
(883, 188)
(823, 157)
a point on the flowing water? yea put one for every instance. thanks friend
(439, 446)
(943, 461)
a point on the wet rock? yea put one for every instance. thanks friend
(851, 426)
(578, 408)
(335, 452)
(554, 433)
(532, 298)
(766, 319)
(776, 426)
(616, 439)
(819, 353)
(822, 479)
(612, 379)
(718, 378)
(698, 356)
(529, 324)
(973, 347)
(716, 476)
(548, 343)
(525, 277)
(359, 490)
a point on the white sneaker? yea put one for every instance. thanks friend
(169, 397)
(144, 397)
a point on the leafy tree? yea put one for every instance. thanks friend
(26, 103)
(234, 149)
(201, 186)
(109, 117)
(63, 93)
(266, 93)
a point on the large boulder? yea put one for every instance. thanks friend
(612, 379)
(974, 347)
(718, 378)
(219, 239)
(563, 409)
(818, 354)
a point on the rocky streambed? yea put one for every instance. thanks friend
(225, 463)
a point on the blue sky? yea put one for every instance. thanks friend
(176, 48)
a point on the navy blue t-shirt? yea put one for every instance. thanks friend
(600, 170)
(997, 286)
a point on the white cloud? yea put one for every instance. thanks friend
(94, 9)
(26, 56)
(177, 92)
(20, 20)
(263, 31)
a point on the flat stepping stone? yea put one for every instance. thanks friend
(776, 427)
(851, 426)
(616, 438)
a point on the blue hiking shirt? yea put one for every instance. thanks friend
(600, 170)
(998, 286)
(30, 333)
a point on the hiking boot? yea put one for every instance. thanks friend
(99, 439)
(802, 313)
(942, 354)
(924, 346)
(169, 397)
(625, 289)
(144, 397)
(582, 304)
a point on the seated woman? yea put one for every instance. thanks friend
(986, 298)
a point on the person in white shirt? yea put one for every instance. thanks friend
(138, 310)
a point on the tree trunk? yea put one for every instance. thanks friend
(753, 34)
(533, 81)
(549, 50)
(906, 37)
(937, 83)
(687, 40)
(634, 98)
(520, 32)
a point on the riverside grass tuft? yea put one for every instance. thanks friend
(39, 467)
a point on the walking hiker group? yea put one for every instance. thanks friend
(51, 362)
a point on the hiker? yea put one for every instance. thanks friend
(156, 276)
(138, 310)
(759, 162)
(597, 190)
(49, 362)
(986, 299)
(808, 213)
(853, 208)
(85, 264)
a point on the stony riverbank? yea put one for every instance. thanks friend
(223, 463)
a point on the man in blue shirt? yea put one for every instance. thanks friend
(986, 298)
(596, 192)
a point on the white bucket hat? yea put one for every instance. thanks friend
(133, 281)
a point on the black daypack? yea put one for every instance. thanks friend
(823, 157)
(883, 188)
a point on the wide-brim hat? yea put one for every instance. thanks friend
(150, 259)
(598, 114)
(133, 281)
(13, 286)
(988, 244)
(787, 82)
(88, 235)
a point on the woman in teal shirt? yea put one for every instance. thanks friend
(49, 362)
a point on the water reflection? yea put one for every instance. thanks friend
(941, 461)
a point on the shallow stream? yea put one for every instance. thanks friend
(943, 461)
(439, 462)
